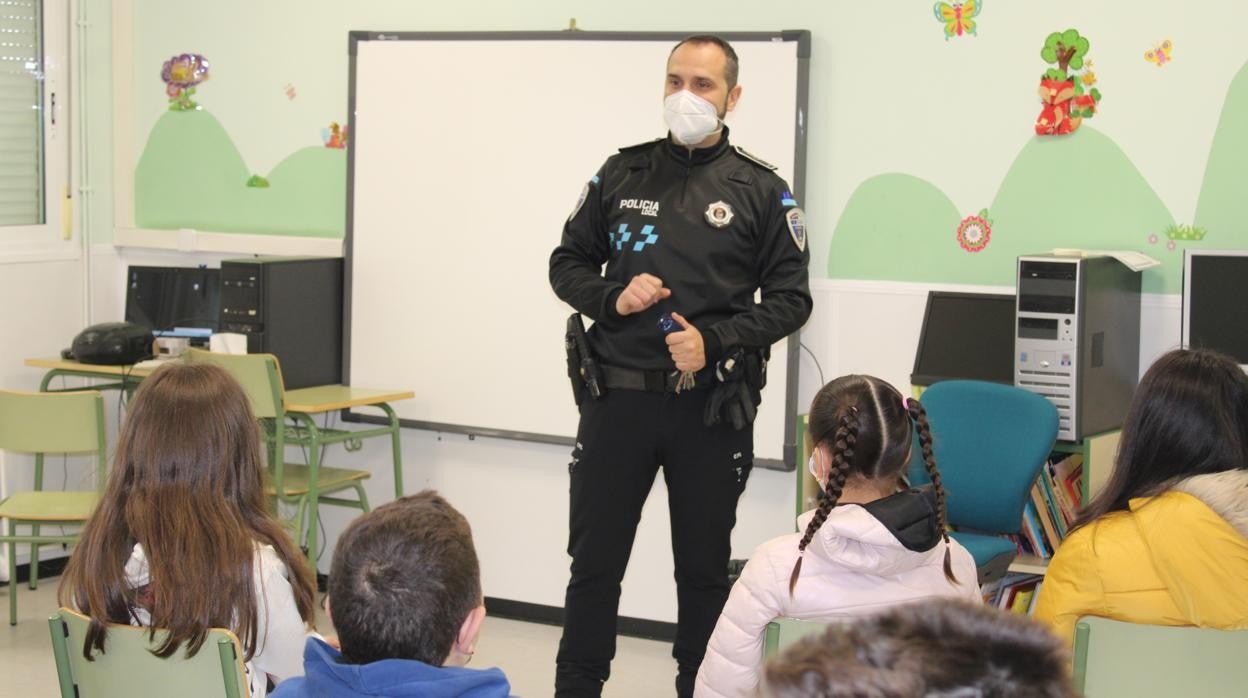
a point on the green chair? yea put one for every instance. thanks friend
(127, 668)
(307, 485)
(783, 632)
(41, 423)
(1113, 658)
(990, 442)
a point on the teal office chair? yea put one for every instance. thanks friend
(990, 441)
(1115, 659)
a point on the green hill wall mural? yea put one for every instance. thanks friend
(1080, 190)
(191, 175)
(1075, 191)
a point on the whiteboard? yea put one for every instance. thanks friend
(466, 154)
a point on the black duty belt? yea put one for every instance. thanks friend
(651, 381)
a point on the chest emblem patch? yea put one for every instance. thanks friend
(719, 214)
(796, 220)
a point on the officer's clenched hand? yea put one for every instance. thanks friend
(642, 292)
(686, 346)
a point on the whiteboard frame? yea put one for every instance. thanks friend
(792, 344)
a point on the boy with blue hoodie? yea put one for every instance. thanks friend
(405, 598)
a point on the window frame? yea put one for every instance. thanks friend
(56, 238)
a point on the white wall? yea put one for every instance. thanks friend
(41, 309)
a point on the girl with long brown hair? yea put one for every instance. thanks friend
(865, 547)
(181, 538)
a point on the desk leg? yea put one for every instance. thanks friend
(47, 379)
(314, 493)
(395, 446)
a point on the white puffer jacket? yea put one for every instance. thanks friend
(854, 565)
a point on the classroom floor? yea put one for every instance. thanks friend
(525, 651)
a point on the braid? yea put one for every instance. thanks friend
(842, 452)
(919, 414)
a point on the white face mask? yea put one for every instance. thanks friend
(814, 467)
(689, 117)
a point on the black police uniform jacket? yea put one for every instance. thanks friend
(715, 224)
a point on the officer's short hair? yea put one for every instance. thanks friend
(945, 647)
(731, 66)
(404, 578)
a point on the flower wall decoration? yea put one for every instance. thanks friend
(181, 74)
(975, 231)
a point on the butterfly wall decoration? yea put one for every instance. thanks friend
(959, 17)
(1160, 55)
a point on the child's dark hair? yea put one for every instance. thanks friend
(938, 647)
(1189, 417)
(870, 427)
(403, 579)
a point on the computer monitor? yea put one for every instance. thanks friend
(1215, 284)
(174, 301)
(966, 336)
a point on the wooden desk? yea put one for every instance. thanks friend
(300, 405)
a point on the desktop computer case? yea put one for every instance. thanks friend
(1082, 356)
(289, 307)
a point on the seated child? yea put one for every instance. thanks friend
(1166, 541)
(405, 598)
(182, 538)
(939, 647)
(865, 547)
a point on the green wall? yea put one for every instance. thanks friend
(910, 132)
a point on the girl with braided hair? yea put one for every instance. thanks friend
(866, 546)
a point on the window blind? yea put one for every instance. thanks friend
(21, 113)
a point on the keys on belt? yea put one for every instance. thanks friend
(651, 381)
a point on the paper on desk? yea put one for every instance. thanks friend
(1135, 261)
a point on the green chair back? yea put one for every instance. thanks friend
(1113, 658)
(783, 632)
(52, 422)
(41, 423)
(127, 668)
(259, 375)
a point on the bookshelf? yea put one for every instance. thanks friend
(1098, 453)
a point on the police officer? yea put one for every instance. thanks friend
(689, 227)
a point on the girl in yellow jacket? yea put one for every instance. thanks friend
(1166, 542)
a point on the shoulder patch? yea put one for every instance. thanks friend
(580, 200)
(796, 221)
(639, 146)
(753, 158)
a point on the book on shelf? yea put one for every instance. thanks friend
(1041, 508)
(1055, 514)
(1052, 506)
(1033, 536)
(1015, 592)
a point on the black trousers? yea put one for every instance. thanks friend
(622, 441)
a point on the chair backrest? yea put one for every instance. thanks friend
(128, 668)
(783, 632)
(259, 374)
(1113, 658)
(990, 442)
(51, 422)
(70, 422)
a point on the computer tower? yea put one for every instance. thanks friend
(290, 307)
(1077, 339)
